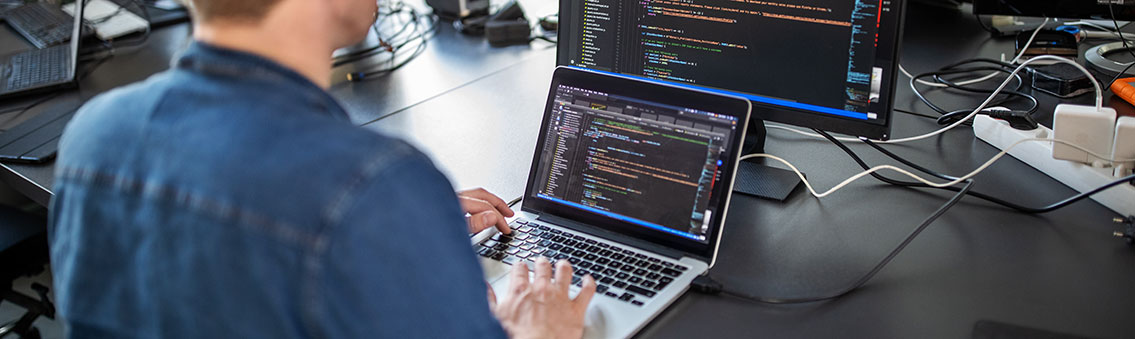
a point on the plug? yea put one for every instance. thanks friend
(1017, 119)
(1129, 234)
(1084, 126)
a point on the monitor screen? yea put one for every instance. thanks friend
(820, 63)
(646, 163)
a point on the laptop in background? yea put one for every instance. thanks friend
(630, 182)
(44, 69)
(41, 70)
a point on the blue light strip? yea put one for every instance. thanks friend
(755, 98)
(622, 217)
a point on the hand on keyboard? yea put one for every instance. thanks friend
(543, 307)
(485, 210)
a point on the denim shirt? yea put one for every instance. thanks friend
(231, 197)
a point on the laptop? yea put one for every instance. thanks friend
(630, 182)
(41, 70)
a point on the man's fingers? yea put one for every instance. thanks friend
(585, 293)
(499, 204)
(492, 296)
(543, 271)
(518, 281)
(486, 219)
(563, 275)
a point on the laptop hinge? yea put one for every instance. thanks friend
(618, 237)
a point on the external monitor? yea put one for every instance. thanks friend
(822, 64)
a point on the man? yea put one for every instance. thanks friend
(231, 197)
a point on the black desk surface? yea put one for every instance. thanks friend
(476, 110)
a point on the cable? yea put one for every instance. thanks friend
(991, 75)
(995, 200)
(1111, 10)
(706, 284)
(953, 182)
(409, 40)
(1099, 103)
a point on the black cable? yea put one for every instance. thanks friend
(706, 284)
(979, 195)
(916, 114)
(1111, 10)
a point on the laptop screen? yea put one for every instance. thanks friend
(654, 165)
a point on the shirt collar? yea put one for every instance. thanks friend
(205, 58)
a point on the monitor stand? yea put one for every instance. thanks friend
(758, 179)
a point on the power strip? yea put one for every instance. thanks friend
(1078, 176)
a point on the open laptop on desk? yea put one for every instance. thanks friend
(40, 70)
(630, 182)
(36, 140)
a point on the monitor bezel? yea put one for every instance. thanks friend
(656, 92)
(879, 129)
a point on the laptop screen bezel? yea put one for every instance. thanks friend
(655, 92)
(76, 36)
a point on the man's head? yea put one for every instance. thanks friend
(346, 21)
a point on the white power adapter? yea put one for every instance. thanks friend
(1084, 126)
(1124, 147)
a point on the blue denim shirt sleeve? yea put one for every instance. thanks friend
(367, 265)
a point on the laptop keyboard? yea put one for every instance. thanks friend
(38, 67)
(41, 23)
(620, 273)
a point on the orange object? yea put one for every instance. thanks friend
(1124, 88)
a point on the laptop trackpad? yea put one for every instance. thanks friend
(494, 270)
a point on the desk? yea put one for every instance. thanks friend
(478, 114)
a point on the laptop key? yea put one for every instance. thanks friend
(555, 246)
(653, 276)
(667, 264)
(680, 268)
(591, 241)
(579, 237)
(636, 303)
(602, 245)
(603, 261)
(579, 253)
(569, 242)
(561, 256)
(640, 256)
(607, 280)
(605, 253)
(647, 284)
(660, 286)
(671, 272)
(617, 256)
(642, 263)
(609, 271)
(626, 268)
(573, 260)
(622, 275)
(639, 272)
(644, 292)
(634, 280)
(511, 260)
(626, 297)
(615, 264)
(601, 288)
(653, 260)
(665, 280)
(620, 284)
(654, 267)
(611, 294)
(590, 256)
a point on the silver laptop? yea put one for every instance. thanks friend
(630, 182)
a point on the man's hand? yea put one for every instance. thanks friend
(485, 210)
(542, 308)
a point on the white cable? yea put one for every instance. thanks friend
(853, 178)
(987, 76)
(1095, 83)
